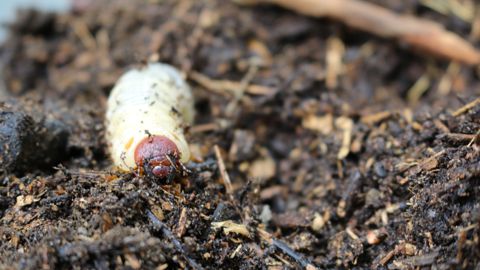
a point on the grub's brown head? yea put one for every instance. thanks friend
(155, 154)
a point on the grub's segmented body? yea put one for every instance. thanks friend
(147, 112)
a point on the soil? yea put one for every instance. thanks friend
(361, 163)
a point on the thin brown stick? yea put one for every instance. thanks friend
(388, 256)
(229, 88)
(422, 34)
(223, 171)
(182, 223)
(466, 108)
(204, 128)
(475, 139)
(458, 137)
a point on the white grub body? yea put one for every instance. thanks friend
(153, 100)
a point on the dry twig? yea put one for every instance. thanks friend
(182, 223)
(466, 108)
(223, 171)
(229, 88)
(458, 137)
(159, 225)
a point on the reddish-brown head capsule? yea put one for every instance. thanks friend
(155, 154)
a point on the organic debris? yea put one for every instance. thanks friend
(315, 146)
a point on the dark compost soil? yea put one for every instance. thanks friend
(364, 166)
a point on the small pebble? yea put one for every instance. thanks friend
(379, 170)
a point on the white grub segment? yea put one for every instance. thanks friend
(147, 112)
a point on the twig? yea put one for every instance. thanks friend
(475, 138)
(304, 262)
(388, 256)
(223, 171)
(240, 91)
(402, 248)
(422, 34)
(418, 89)
(159, 225)
(457, 137)
(200, 128)
(466, 108)
(372, 119)
(182, 223)
(229, 88)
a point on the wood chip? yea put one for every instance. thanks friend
(321, 124)
(431, 162)
(346, 125)
(403, 248)
(291, 220)
(235, 251)
(318, 223)
(107, 222)
(372, 119)
(23, 200)
(158, 212)
(231, 227)
(334, 55)
(182, 223)
(272, 191)
(132, 261)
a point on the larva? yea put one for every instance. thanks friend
(147, 112)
